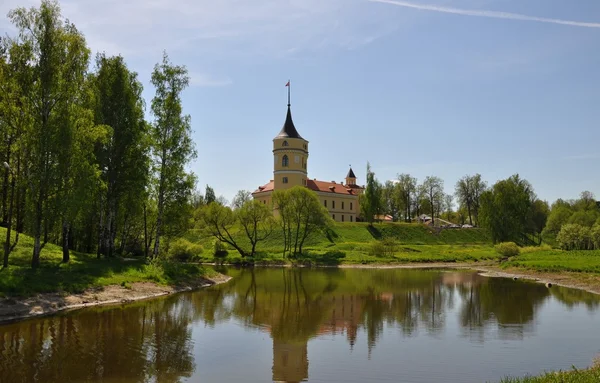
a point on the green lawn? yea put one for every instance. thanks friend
(557, 260)
(83, 271)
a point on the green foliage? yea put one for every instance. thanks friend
(507, 210)
(172, 145)
(85, 271)
(300, 216)
(219, 222)
(122, 158)
(573, 236)
(507, 249)
(583, 212)
(257, 221)
(468, 191)
(407, 187)
(383, 248)
(183, 250)
(434, 193)
(219, 249)
(370, 200)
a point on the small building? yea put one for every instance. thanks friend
(290, 168)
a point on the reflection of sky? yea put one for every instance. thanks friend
(558, 338)
(230, 350)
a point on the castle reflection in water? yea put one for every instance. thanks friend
(152, 341)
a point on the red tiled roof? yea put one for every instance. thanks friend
(329, 187)
(265, 188)
(318, 186)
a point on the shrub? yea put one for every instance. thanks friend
(508, 249)
(219, 250)
(535, 249)
(183, 250)
(383, 248)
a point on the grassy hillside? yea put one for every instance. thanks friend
(353, 243)
(82, 272)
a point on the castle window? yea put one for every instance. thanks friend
(297, 159)
(325, 203)
(285, 180)
(333, 217)
(285, 161)
(350, 205)
(350, 218)
(333, 204)
(285, 143)
(342, 206)
(342, 218)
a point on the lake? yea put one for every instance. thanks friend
(324, 325)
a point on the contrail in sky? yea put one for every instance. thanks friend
(492, 14)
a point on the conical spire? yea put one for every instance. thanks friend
(288, 130)
(350, 174)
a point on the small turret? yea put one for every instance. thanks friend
(350, 178)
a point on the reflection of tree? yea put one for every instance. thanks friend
(148, 341)
(573, 297)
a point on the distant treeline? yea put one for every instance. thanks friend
(510, 209)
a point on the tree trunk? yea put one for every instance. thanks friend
(5, 190)
(158, 229)
(469, 210)
(146, 243)
(124, 235)
(65, 242)
(100, 250)
(161, 202)
(7, 246)
(37, 248)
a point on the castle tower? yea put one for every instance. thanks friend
(290, 152)
(350, 178)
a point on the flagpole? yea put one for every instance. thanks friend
(289, 89)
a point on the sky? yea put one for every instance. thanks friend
(425, 87)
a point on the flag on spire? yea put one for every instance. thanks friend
(287, 84)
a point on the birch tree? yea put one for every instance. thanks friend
(172, 145)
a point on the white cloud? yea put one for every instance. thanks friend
(483, 13)
(224, 27)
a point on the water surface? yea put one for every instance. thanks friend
(329, 325)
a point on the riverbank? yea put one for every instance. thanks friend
(591, 375)
(16, 309)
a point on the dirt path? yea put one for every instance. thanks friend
(14, 309)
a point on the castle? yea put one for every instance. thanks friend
(290, 168)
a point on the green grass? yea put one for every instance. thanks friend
(591, 375)
(350, 243)
(84, 271)
(548, 260)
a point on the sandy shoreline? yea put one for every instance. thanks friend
(17, 309)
